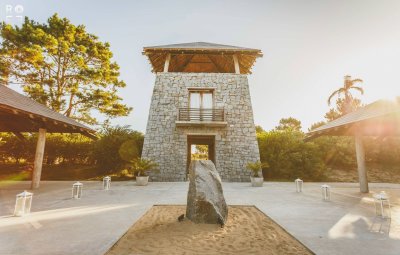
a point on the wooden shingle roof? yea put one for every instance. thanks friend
(381, 118)
(201, 57)
(19, 113)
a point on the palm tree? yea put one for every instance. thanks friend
(348, 86)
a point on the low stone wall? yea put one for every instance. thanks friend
(235, 144)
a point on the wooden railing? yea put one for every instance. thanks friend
(200, 114)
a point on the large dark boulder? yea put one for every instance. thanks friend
(205, 201)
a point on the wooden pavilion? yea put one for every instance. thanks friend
(201, 57)
(19, 114)
(380, 119)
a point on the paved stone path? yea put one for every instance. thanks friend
(91, 225)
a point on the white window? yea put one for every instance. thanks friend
(201, 99)
(201, 104)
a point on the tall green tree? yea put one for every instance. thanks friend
(62, 66)
(349, 85)
(340, 108)
(259, 129)
(289, 123)
(316, 125)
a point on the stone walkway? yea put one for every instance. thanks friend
(91, 225)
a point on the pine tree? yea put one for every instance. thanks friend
(62, 66)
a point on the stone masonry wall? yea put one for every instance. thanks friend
(235, 144)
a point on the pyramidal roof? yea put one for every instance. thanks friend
(200, 46)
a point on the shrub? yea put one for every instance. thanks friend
(140, 166)
(107, 149)
(337, 151)
(256, 167)
(288, 156)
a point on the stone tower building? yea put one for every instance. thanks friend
(201, 97)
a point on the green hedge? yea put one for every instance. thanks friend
(285, 151)
(289, 157)
(75, 149)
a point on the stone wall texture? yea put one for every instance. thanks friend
(235, 143)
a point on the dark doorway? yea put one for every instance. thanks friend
(204, 150)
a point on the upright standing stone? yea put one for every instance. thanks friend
(205, 201)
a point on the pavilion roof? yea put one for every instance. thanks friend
(19, 113)
(381, 118)
(201, 46)
(201, 57)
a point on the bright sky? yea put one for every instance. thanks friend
(308, 46)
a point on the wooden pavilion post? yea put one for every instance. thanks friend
(166, 64)
(236, 62)
(37, 168)
(362, 171)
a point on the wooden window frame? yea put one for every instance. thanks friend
(202, 91)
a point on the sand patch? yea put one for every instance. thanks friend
(247, 231)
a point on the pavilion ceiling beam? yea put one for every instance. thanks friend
(159, 63)
(90, 135)
(243, 69)
(19, 136)
(158, 60)
(217, 66)
(17, 124)
(20, 121)
(186, 63)
(244, 60)
(217, 70)
(244, 65)
(200, 62)
(229, 64)
(158, 57)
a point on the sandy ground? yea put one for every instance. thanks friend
(247, 231)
